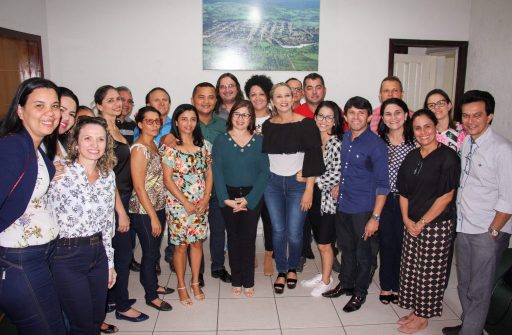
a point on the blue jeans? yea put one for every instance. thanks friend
(141, 224)
(282, 197)
(217, 233)
(81, 276)
(28, 295)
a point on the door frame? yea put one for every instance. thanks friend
(401, 46)
(4, 32)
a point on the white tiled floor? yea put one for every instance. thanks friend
(293, 313)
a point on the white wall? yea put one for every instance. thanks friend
(27, 16)
(490, 56)
(159, 43)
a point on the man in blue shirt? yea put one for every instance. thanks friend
(361, 195)
(161, 100)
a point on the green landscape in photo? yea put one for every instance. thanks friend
(280, 35)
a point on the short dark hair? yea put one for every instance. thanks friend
(139, 117)
(477, 96)
(252, 114)
(313, 76)
(11, 123)
(66, 92)
(196, 134)
(337, 128)
(392, 78)
(262, 81)
(154, 90)
(203, 84)
(424, 112)
(293, 78)
(383, 129)
(359, 103)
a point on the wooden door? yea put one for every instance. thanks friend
(20, 58)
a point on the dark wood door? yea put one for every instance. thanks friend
(20, 58)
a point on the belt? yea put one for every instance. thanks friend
(80, 241)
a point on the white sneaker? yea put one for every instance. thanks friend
(311, 282)
(321, 288)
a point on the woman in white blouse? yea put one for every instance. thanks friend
(83, 200)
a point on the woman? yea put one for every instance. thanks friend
(395, 129)
(426, 181)
(287, 199)
(83, 200)
(323, 211)
(56, 144)
(109, 105)
(228, 92)
(147, 203)
(240, 171)
(28, 231)
(188, 179)
(257, 89)
(448, 132)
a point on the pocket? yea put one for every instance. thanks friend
(65, 252)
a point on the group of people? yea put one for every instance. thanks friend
(77, 190)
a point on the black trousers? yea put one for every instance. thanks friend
(267, 227)
(241, 230)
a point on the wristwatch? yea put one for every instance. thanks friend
(376, 217)
(493, 232)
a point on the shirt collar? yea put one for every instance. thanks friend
(486, 135)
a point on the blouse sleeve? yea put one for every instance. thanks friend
(218, 171)
(332, 172)
(450, 172)
(12, 162)
(108, 230)
(313, 164)
(167, 153)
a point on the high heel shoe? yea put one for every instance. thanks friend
(199, 296)
(291, 282)
(279, 287)
(187, 302)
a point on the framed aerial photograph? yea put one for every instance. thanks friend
(269, 35)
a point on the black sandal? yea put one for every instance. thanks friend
(291, 282)
(386, 299)
(394, 300)
(111, 329)
(279, 287)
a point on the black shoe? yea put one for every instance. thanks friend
(279, 287)
(164, 306)
(354, 303)
(135, 266)
(291, 283)
(111, 329)
(141, 317)
(308, 253)
(452, 330)
(338, 291)
(201, 280)
(111, 307)
(158, 269)
(166, 290)
(222, 275)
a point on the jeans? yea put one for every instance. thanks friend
(356, 253)
(81, 276)
(217, 233)
(283, 196)
(28, 294)
(123, 253)
(391, 231)
(141, 224)
(477, 258)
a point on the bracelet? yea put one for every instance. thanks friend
(422, 220)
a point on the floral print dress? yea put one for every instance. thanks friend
(189, 174)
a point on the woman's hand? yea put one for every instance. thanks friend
(300, 178)
(242, 205)
(190, 208)
(335, 192)
(124, 223)
(306, 201)
(60, 168)
(156, 227)
(202, 205)
(412, 228)
(112, 276)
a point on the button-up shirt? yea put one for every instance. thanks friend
(485, 184)
(364, 172)
(215, 127)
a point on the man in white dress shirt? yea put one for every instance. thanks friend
(484, 208)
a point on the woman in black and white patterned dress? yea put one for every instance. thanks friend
(395, 129)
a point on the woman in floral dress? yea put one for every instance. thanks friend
(188, 179)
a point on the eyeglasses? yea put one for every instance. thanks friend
(417, 170)
(467, 166)
(242, 116)
(321, 117)
(295, 89)
(151, 122)
(226, 87)
(440, 103)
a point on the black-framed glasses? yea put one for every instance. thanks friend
(151, 122)
(321, 117)
(440, 103)
(242, 116)
(418, 167)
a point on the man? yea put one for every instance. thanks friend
(296, 87)
(161, 100)
(362, 193)
(484, 208)
(204, 100)
(228, 92)
(125, 124)
(390, 87)
(314, 90)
